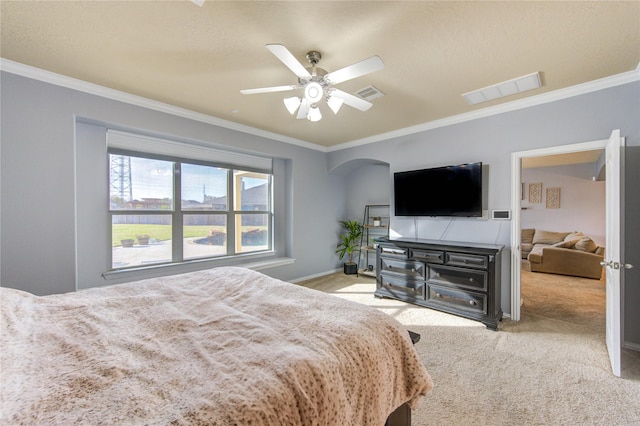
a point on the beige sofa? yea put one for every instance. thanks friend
(565, 253)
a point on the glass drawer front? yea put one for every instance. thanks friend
(460, 300)
(469, 260)
(399, 286)
(459, 277)
(410, 268)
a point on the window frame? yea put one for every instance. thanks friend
(177, 213)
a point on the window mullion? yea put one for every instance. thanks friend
(178, 220)
(231, 216)
(271, 220)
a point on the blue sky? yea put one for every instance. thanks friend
(152, 179)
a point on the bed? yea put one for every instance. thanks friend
(225, 346)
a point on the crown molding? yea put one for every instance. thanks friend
(117, 95)
(556, 95)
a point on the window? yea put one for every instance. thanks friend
(165, 209)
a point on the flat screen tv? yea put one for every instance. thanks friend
(442, 191)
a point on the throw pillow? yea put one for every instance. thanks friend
(574, 235)
(586, 244)
(567, 244)
(548, 237)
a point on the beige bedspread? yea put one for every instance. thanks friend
(226, 346)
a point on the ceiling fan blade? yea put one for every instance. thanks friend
(289, 60)
(268, 89)
(304, 109)
(358, 69)
(351, 100)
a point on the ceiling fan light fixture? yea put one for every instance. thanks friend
(335, 104)
(314, 113)
(317, 84)
(292, 104)
(313, 92)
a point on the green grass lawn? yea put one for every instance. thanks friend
(157, 232)
(160, 232)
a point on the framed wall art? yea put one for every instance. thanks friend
(535, 192)
(553, 198)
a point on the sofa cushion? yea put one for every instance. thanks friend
(566, 243)
(548, 237)
(586, 244)
(526, 236)
(536, 254)
(574, 236)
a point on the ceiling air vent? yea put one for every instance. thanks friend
(369, 93)
(506, 88)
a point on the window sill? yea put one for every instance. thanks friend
(144, 272)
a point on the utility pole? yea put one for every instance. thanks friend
(121, 178)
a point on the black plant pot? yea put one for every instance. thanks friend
(350, 268)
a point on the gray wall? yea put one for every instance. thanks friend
(631, 284)
(369, 184)
(42, 160)
(492, 140)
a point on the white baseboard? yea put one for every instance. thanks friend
(310, 277)
(632, 346)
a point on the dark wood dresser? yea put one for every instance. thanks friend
(451, 276)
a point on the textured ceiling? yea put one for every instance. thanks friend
(199, 58)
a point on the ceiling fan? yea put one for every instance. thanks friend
(318, 83)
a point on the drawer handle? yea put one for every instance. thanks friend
(438, 295)
(471, 279)
(473, 302)
(437, 274)
(413, 269)
(392, 251)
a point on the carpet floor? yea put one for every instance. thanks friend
(549, 368)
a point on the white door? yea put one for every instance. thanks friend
(614, 169)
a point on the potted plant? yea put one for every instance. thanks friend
(349, 244)
(373, 244)
(376, 220)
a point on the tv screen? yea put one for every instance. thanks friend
(442, 191)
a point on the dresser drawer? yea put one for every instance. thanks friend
(399, 287)
(468, 260)
(394, 251)
(467, 301)
(409, 268)
(429, 256)
(467, 278)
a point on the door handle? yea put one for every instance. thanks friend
(616, 265)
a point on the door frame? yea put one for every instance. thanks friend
(516, 195)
